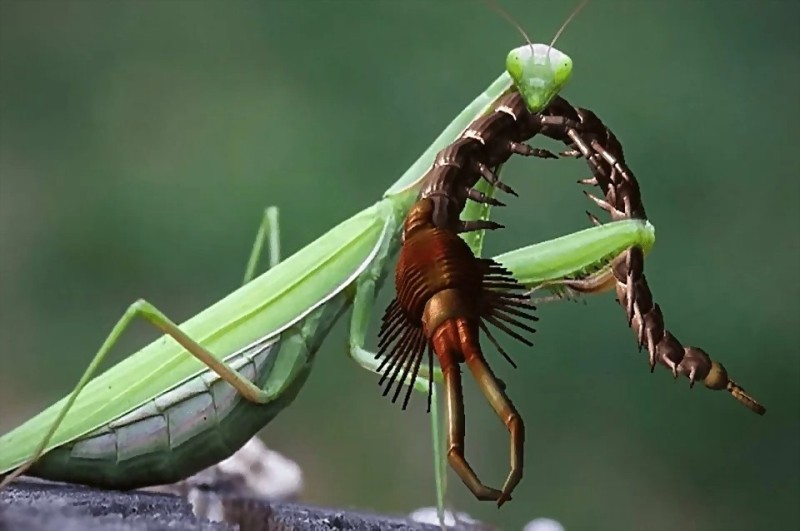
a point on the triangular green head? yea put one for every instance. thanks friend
(539, 72)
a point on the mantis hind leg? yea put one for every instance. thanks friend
(268, 232)
(154, 316)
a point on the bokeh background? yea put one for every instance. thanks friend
(140, 142)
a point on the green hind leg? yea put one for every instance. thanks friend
(141, 308)
(268, 229)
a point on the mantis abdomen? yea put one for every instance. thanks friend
(194, 425)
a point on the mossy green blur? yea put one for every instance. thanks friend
(539, 72)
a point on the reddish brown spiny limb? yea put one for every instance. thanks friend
(445, 296)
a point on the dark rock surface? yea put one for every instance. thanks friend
(32, 505)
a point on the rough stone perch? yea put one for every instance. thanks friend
(34, 505)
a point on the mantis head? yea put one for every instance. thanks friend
(539, 72)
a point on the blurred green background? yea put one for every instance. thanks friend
(140, 142)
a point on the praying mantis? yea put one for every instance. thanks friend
(165, 412)
(367, 242)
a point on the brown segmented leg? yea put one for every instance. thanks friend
(455, 437)
(595, 283)
(598, 282)
(492, 389)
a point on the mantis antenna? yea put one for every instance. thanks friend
(536, 75)
(503, 13)
(565, 24)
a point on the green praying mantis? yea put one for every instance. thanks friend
(195, 395)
